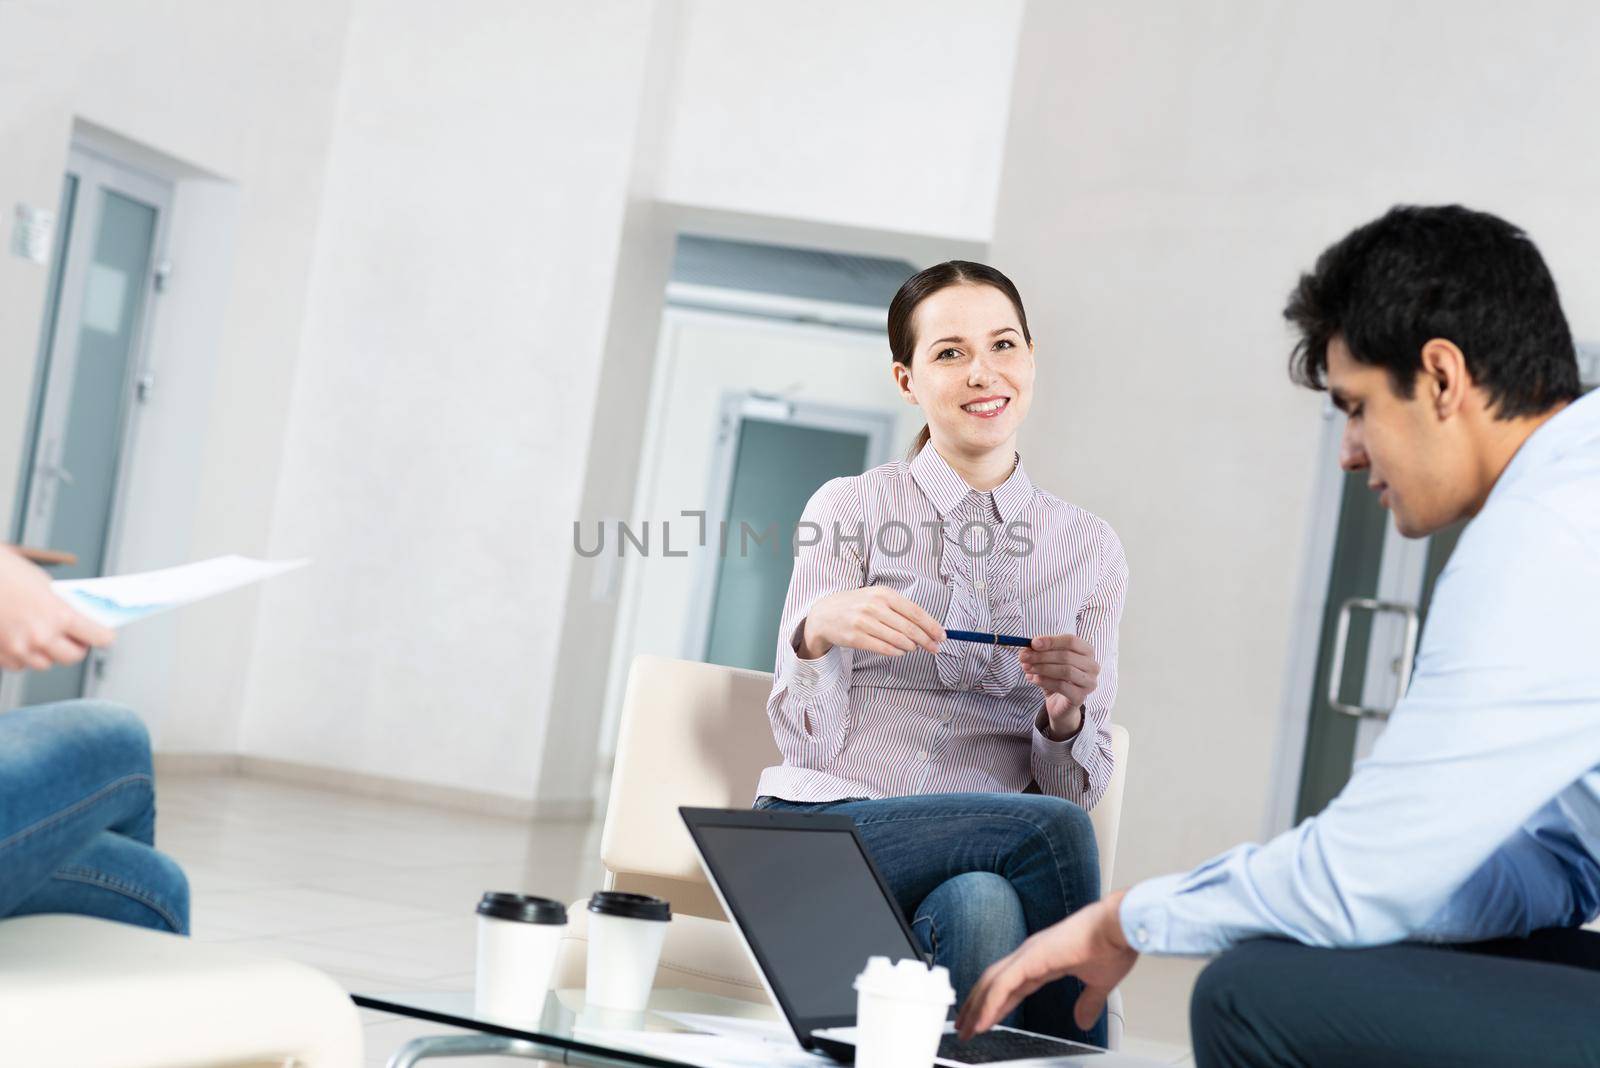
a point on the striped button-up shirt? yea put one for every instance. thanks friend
(1016, 560)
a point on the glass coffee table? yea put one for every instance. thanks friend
(569, 1032)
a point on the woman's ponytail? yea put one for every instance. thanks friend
(922, 439)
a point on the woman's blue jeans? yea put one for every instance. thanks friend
(978, 873)
(78, 817)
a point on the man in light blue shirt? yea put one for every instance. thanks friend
(1430, 914)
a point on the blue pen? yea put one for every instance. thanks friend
(984, 638)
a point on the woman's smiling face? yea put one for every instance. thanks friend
(972, 370)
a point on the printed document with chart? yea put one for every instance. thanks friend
(117, 600)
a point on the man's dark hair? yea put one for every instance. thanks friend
(1419, 273)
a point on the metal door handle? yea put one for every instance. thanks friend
(49, 473)
(60, 474)
(1341, 637)
(52, 468)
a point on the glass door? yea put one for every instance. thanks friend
(90, 379)
(1380, 585)
(771, 456)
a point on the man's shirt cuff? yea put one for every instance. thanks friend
(1146, 919)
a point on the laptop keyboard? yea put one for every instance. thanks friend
(994, 1046)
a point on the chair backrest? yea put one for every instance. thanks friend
(691, 734)
(697, 734)
(1107, 815)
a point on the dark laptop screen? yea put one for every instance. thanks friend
(809, 905)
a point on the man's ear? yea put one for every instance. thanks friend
(902, 381)
(1445, 376)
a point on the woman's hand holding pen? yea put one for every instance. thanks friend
(875, 619)
(1064, 667)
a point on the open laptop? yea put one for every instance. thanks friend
(812, 907)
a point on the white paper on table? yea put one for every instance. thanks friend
(734, 1027)
(120, 599)
(710, 1051)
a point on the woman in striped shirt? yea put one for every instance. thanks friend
(929, 743)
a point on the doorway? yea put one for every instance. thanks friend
(92, 373)
(1380, 585)
(770, 457)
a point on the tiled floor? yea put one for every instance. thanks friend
(378, 894)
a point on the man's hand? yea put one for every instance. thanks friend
(1088, 945)
(37, 628)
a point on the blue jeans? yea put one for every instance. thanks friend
(78, 817)
(978, 873)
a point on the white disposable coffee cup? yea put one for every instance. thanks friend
(625, 936)
(518, 939)
(900, 1013)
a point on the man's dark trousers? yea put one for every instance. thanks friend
(1509, 1002)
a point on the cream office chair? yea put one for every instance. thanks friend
(77, 992)
(697, 734)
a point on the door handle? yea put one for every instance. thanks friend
(60, 474)
(52, 468)
(1341, 638)
(49, 472)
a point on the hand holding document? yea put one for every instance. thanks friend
(117, 600)
(37, 628)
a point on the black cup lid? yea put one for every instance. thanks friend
(522, 908)
(631, 906)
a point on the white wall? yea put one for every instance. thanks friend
(1169, 170)
(242, 91)
(889, 115)
(433, 463)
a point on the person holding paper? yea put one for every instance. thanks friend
(77, 794)
(1431, 913)
(39, 630)
(930, 743)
